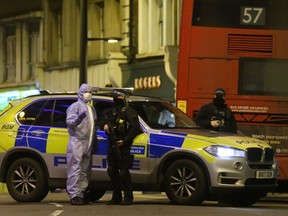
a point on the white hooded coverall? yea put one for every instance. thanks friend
(80, 145)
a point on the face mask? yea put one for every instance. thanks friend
(87, 96)
(219, 102)
(118, 102)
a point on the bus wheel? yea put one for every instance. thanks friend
(26, 181)
(185, 183)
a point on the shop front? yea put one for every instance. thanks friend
(8, 94)
(149, 78)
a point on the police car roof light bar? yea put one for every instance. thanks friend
(127, 90)
(112, 89)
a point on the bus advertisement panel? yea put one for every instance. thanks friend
(241, 46)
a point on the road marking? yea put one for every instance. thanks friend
(57, 205)
(56, 212)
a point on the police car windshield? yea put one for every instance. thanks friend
(163, 115)
(9, 106)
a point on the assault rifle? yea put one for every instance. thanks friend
(112, 136)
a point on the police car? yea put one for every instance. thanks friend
(172, 155)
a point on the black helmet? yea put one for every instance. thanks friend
(119, 97)
(220, 92)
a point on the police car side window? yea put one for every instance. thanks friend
(29, 114)
(44, 116)
(59, 115)
(41, 113)
(152, 114)
(102, 108)
(156, 115)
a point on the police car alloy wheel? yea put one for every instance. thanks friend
(185, 183)
(26, 181)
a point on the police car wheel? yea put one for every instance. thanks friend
(185, 183)
(243, 198)
(94, 194)
(26, 181)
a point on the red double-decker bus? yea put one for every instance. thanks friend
(241, 46)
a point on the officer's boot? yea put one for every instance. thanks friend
(116, 198)
(126, 186)
(128, 197)
(116, 186)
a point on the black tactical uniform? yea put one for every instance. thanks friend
(123, 124)
(217, 110)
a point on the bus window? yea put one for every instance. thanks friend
(263, 77)
(252, 14)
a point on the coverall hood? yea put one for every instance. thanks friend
(84, 87)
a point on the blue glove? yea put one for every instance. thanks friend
(82, 115)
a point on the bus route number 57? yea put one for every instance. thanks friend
(252, 16)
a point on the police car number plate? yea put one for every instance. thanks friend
(264, 174)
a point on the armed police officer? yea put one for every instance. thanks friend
(216, 115)
(122, 126)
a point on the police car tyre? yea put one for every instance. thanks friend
(95, 194)
(185, 183)
(26, 181)
(243, 198)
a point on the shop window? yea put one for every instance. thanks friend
(159, 24)
(34, 47)
(10, 54)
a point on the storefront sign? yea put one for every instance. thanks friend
(150, 79)
(149, 82)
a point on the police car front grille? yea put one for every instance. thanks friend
(260, 155)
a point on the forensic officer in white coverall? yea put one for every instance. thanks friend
(81, 123)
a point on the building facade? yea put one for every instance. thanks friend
(40, 45)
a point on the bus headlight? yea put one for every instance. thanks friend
(223, 151)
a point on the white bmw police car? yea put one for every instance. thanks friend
(172, 154)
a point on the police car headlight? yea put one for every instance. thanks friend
(222, 151)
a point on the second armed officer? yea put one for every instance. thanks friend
(122, 125)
